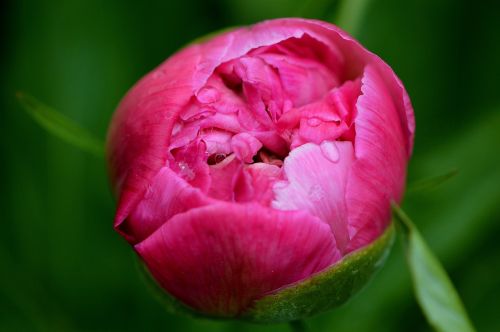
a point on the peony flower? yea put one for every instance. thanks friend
(255, 169)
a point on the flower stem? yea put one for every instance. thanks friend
(298, 326)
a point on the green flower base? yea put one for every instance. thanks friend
(327, 289)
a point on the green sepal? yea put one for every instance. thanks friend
(325, 290)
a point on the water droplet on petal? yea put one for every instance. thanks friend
(208, 95)
(330, 151)
(314, 121)
(185, 171)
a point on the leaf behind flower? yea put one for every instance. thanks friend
(433, 288)
(61, 126)
(432, 182)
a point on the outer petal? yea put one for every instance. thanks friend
(140, 132)
(378, 174)
(220, 258)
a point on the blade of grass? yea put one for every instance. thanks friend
(61, 126)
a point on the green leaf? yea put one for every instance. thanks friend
(61, 126)
(433, 288)
(432, 182)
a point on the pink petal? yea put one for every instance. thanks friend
(272, 141)
(167, 196)
(297, 74)
(183, 135)
(316, 182)
(190, 164)
(224, 176)
(255, 183)
(343, 99)
(378, 174)
(401, 100)
(262, 88)
(217, 141)
(139, 134)
(220, 258)
(329, 118)
(245, 146)
(316, 131)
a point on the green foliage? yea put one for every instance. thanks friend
(61, 126)
(433, 288)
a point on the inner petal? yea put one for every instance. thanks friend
(316, 179)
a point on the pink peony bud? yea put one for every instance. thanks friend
(255, 170)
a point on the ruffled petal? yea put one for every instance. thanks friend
(245, 146)
(139, 135)
(220, 258)
(296, 75)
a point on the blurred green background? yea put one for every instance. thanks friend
(63, 268)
